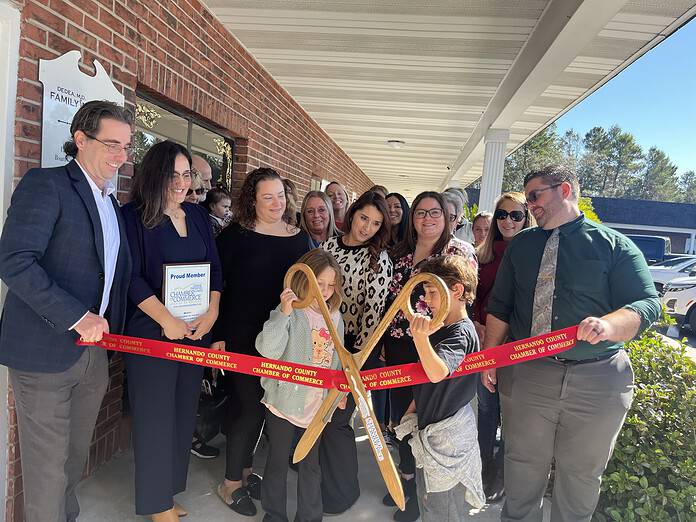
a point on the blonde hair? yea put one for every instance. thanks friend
(196, 180)
(332, 230)
(454, 270)
(484, 251)
(318, 260)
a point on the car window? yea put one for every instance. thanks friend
(670, 262)
(688, 268)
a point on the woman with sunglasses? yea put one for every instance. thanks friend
(427, 236)
(511, 215)
(196, 190)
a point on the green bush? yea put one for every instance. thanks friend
(652, 474)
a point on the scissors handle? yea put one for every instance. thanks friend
(401, 303)
(312, 294)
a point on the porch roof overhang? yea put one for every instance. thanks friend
(439, 75)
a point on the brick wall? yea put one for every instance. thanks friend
(177, 52)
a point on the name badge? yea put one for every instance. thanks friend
(186, 289)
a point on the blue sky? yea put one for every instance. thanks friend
(654, 99)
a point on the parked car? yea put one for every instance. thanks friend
(680, 300)
(654, 248)
(665, 271)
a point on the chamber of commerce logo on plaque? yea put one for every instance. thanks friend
(65, 89)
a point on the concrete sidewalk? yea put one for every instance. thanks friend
(108, 495)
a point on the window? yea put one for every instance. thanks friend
(154, 123)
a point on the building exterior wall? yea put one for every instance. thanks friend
(175, 51)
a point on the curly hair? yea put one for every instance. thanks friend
(245, 206)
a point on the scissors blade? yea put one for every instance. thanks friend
(374, 433)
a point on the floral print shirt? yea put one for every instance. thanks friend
(404, 269)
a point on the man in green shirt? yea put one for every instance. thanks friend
(568, 409)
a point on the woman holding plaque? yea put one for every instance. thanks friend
(255, 252)
(164, 230)
(367, 271)
(427, 236)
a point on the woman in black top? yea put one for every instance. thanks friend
(162, 228)
(255, 251)
(398, 217)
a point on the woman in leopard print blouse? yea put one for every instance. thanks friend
(367, 273)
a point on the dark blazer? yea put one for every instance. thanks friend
(145, 245)
(52, 261)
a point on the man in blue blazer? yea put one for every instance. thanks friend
(65, 260)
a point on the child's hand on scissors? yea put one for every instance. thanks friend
(423, 326)
(287, 297)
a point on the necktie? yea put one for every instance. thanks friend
(545, 286)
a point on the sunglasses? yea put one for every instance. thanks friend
(534, 194)
(198, 191)
(515, 215)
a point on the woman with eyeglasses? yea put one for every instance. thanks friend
(511, 215)
(317, 218)
(162, 228)
(428, 236)
(196, 190)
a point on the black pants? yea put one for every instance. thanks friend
(338, 456)
(399, 399)
(281, 436)
(244, 422)
(401, 351)
(164, 399)
(488, 422)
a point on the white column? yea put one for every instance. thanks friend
(493, 163)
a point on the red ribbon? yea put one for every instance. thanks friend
(378, 379)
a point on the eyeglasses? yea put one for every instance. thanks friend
(198, 191)
(432, 212)
(534, 194)
(453, 218)
(515, 215)
(113, 148)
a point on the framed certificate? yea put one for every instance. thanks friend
(186, 289)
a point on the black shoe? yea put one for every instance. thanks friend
(201, 450)
(411, 513)
(239, 501)
(409, 490)
(390, 438)
(254, 486)
(388, 500)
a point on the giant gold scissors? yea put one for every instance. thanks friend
(351, 364)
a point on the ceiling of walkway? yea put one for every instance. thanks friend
(438, 75)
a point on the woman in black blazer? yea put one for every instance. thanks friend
(162, 228)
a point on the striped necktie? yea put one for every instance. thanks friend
(545, 286)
